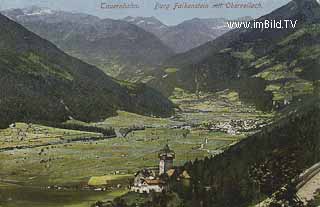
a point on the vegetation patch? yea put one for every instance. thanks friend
(247, 55)
(108, 180)
(171, 70)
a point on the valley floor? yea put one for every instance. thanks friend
(58, 172)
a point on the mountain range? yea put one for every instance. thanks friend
(186, 35)
(39, 82)
(115, 46)
(121, 48)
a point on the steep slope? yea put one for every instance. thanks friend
(115, 46)
(40, 82)
(281, 64)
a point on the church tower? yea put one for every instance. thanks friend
(166, 156)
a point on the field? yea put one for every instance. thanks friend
(72, 163)
(33, 135)
(59, 169)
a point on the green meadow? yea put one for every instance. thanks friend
(59, 170)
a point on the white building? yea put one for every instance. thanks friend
(149, 185)
(146, 181)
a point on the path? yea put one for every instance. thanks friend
(307, 188)
(308, 191)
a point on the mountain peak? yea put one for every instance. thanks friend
(36, 10)
(307, 1)
(310, 9)
(144, 20)
(307, 11)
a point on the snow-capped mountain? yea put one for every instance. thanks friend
(32, 11)
(150, 24)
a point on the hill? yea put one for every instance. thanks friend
(115, 46)
(270, 67)
(40, 82)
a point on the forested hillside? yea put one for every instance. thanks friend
(260, 165)
(40, 82)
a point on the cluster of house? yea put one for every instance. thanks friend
(149, 180)
(235, 127)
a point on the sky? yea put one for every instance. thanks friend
(147, 8)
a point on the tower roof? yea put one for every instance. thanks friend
(166, 151)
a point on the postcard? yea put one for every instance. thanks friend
(159, 103)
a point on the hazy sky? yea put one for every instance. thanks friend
(147, 8)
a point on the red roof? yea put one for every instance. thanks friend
(154, 182)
